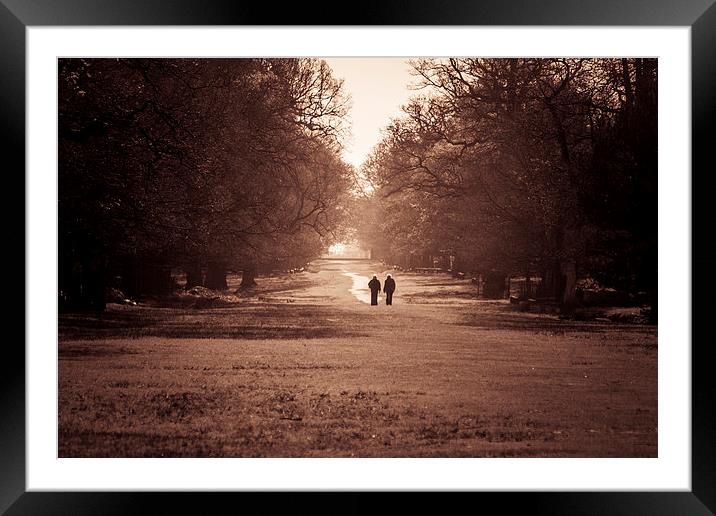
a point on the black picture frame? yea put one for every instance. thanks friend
(700, 15)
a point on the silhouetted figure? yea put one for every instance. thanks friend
(374, 286)
(389, 288)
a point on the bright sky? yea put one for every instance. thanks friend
(378, 87)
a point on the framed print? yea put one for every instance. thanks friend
(418, 250)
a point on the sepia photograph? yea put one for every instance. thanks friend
(357, 257)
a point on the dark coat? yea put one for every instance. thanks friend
(374, 285)
(389, 285)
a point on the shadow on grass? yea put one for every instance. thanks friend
(499, 316)
(265, 321)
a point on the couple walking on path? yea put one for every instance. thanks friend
(388, 288)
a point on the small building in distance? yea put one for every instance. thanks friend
(347, 252)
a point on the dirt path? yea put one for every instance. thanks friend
(313, 370)
(343, 284)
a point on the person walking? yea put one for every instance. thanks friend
(374, 286)
(389, 288)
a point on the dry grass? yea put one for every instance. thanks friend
(325, 375)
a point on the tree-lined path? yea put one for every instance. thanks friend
(196, 195)
(305, 368)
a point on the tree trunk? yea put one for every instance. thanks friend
(194, 276)
(551, 286)
(216, 276)
(494, 285)
(248, 277)
(160, 277)
(73, 291)
(542, 286)
(569, 273)
(141, 276)
(93, 283)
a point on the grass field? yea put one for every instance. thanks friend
(304, 368)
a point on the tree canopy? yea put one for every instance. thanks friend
(519, 165)
(203, 164)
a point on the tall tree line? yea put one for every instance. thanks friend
(524, 167)
(207, 165)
